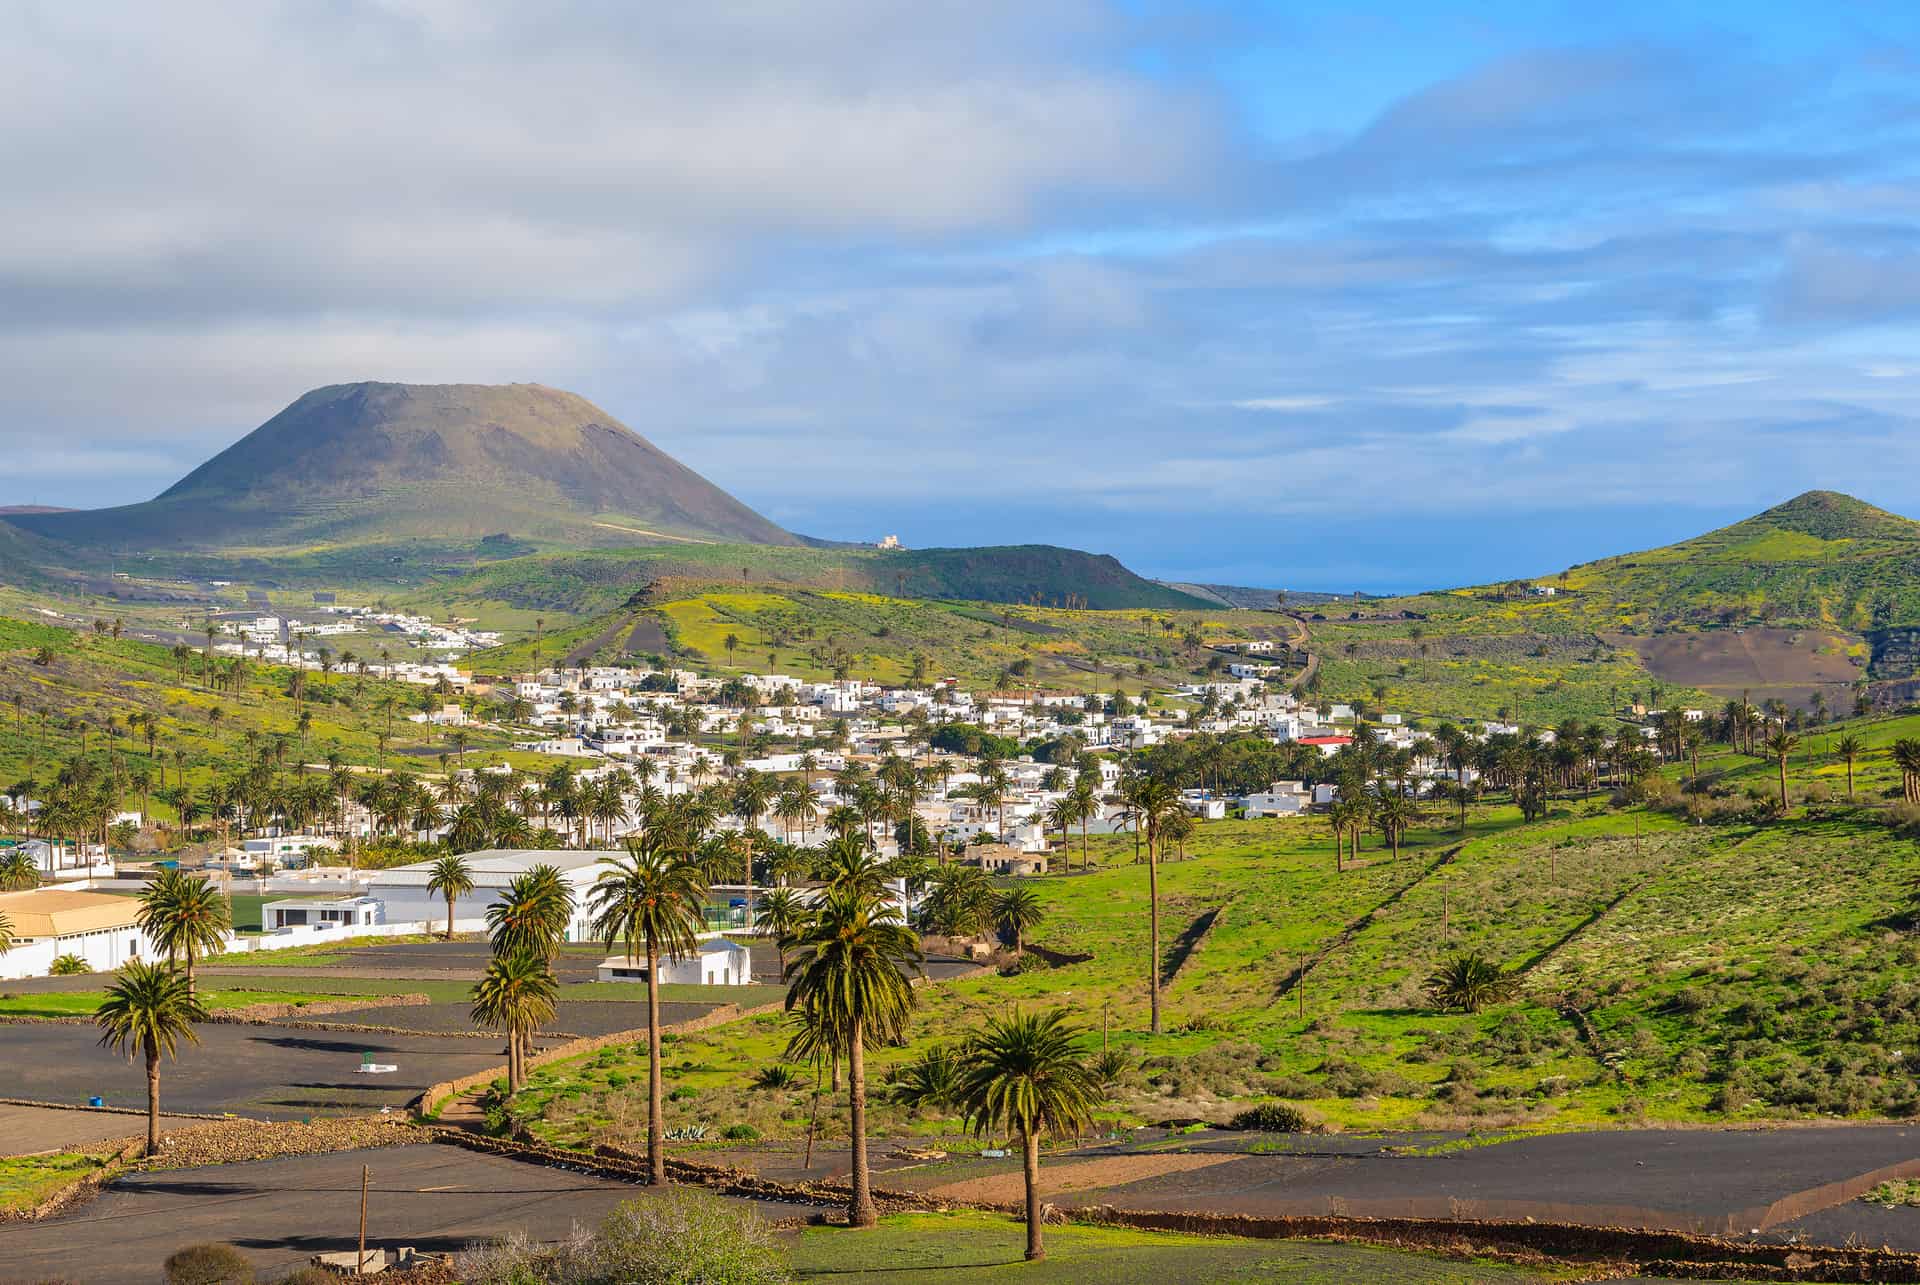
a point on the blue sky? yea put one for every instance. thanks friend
(1369, 296)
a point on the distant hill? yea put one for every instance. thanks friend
(590, 582)
(1230, 595)
(1821, 558)
(371, 463)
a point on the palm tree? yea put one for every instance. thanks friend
(185, 916)
(533, 916)
(1468, 981)
(148, 1009)
(1393, 814)
(6, 933)
(651, 897)
(1849, 747)
(1154, 800)
(1028, 1073)
(516, 995)
(849, 974)
(18, 872)
(783, 914)
(1781, 745)
(1018, 911)
(451, 877)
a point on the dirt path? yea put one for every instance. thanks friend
(1081, 1175)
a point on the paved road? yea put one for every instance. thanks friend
(1695, 1180)
(279, 1212)
(25, 1131)
(250, 1070)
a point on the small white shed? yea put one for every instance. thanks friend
(714, 963)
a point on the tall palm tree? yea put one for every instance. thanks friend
(1155, 800)
(451, 877)
(18, 873)
(783, 914)
(849, 972)
(1028, 1074)
(533, 915)
(185, 916)
(1849, 747)
(148, 1010)
(1018, 910)
(651, 898)
(6, 934)
(1781, 746)
(516, 995)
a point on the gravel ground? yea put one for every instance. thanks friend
(279, 1212)
(250, 1070)
(578, 1017)
(27, 1130)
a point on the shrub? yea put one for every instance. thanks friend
(740, 1133)
(1272, 1117)
(1468, 981)
(212, 1264)
(777, 1076)
(678, 1236)
(68, 966)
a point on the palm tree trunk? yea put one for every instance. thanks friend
(656, 1139)
(1030, 1145)
(860, 1211)
(153, 1098)
(1153, 918)
(449, 918)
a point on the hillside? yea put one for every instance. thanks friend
(372, 463)
(1820, 559)
(1810, 602)
(588, 583)
(1660, 971)
(817, 634)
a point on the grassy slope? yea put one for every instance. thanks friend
(966, 1248)
(1723, 972)
(94, 679)
(587, 583)
(1818, 561)
(800, 631)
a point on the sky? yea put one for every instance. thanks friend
(1369, 296)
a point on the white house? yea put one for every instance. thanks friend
(717, 962)
(1280, 799)
(66, 861)
(51, 922)
(404, 898)
(336, 912)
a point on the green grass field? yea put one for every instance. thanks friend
(967, 1248)
(216, 996)
(27, 1180)
(1663, 971)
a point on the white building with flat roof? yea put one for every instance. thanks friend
(404, 897)
(50, 922)
(717, 962)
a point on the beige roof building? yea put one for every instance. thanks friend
(58, 912)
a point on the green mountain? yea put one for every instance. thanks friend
(1820, 559)
(595, 581)
(376, 463)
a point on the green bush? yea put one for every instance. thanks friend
(68, 966)
(740, 1133)
(212, 1264)
(1272, 1117)
(679, 1236)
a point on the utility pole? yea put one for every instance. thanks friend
(360, 1260)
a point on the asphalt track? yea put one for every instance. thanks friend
(1731, 1181)
(279, 1212)
(262, 1071)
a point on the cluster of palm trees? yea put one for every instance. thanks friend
(151, 1007)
